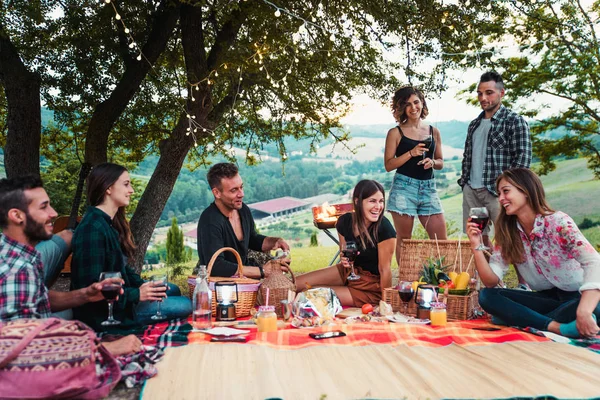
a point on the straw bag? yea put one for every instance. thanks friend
(279, 285)
(53, 358)
(247, 287)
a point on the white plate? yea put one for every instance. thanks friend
(402, 319)
(224, 331)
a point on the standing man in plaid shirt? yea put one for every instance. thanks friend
(497, 140)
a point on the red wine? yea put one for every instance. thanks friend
(111, 291)
(427, 143)
(351, 254)
(481, 222)
(406, 295)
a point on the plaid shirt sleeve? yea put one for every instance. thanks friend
(22, 290)
(520, 144)
(467, 155)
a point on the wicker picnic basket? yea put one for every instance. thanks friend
(279, 285)
(457, 255)
(415, 252)
(247, 287)
(458, 308)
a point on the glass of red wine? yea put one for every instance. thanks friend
(405, 290)
(110, 291)
(159, 280)
(481, 217)
(350, 251)
(427, 140)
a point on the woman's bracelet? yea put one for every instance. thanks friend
(433, 163)
(410, 152)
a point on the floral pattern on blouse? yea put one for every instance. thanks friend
(557, 255)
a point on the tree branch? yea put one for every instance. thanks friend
(107, 113)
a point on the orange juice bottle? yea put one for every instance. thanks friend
(438, 314)
(266, 320)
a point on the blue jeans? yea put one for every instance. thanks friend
(174, 306)
(413, 197)
(535, 309)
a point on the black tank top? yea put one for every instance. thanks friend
(410, 168)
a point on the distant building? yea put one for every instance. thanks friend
(330, 198)
(190, 239)
(276, 208)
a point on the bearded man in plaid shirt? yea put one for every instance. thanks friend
(26, 218)
(497, 140)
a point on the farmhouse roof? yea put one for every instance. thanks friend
(278, 205)
(192, 234)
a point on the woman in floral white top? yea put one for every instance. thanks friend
(550, 254)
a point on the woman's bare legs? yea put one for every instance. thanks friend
(326, 277)
(435, 225)
(404, 226)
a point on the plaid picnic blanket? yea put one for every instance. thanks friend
(466, 333)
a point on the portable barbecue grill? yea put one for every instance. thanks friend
(325, 217)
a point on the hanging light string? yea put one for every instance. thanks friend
(262, 51)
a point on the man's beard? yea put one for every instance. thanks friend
(34, 230)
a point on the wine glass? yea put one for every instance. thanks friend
(159, 280)
(405, 290)
(350, 251)
(427, 140)
(110, 291)
(481, 217)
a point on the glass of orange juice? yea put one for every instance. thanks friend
(266, 319)
(438, 315)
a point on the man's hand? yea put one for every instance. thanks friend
(149, 291)
(281, 244)
(127, 345)
(280, 264)
(94, 291)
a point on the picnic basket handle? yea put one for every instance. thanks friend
(240, 269)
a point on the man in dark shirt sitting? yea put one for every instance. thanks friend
(228, 222)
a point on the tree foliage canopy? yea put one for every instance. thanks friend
(170, 76)
(557, 62)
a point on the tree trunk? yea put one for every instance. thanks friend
(24, 119)
(174, 149)
(172, 155)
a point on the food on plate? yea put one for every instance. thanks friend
(367, 308)
(385, 308)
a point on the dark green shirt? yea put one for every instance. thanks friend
(96, 249)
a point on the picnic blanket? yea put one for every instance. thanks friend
(361, 334)
(498, 370)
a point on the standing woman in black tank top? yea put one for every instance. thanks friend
(413, 193)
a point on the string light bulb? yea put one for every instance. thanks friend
(139, 57)
(118, 17)
(277, 13)
(126, 30)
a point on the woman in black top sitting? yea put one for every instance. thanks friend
(375, 238)
(414, 150)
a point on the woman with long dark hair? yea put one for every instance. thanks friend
(414, 150)
(551, 256)
(103, 243)
(376, 240)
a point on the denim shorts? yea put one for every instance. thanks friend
(414, 197)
